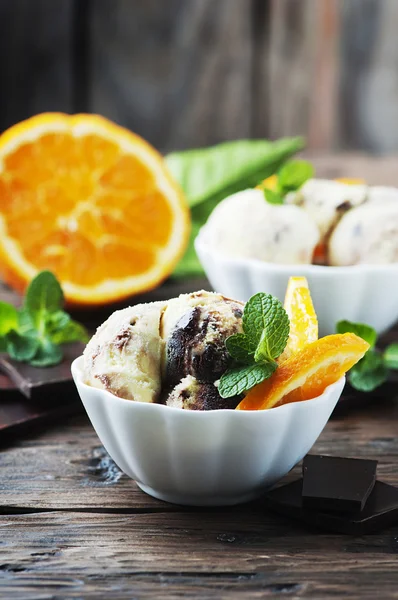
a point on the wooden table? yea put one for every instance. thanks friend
(73, 526)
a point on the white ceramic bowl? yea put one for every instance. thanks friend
(360, 293)
(204, 458)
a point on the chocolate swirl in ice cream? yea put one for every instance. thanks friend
(172, 352)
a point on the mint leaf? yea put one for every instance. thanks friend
(72, 332)
(8, 318)
(266, 325)
(44, 295)
(57, 320)
(21, 347)
(390, 356)
(47, 354)
(366, 332)
(293, 174)
(272, 197)
(238, 380)
(238, 346)
(369, 373)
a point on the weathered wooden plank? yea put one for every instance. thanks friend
(178, 73)
(302, 69)
(212, 553)
(368, 75)
(36, 67)
(375, 171)
(65, 468)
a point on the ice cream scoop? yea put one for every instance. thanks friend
(383, 194)
(191, 394)
(327, 200)
(367, 234)
(124, 356)
(174, 349)
(246, 225)
(195, 327)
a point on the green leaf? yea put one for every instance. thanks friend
(238, 347)
(72, 332)
(272, 197)
(366, 332)
(390, 356)
(238, 380)
(8, 318)
(21, 347)
(205, 173)
(369, 373)
(293, 174)
(208, 175)
(267, 326)
(58, 320)
(44, 295)
(47, 354)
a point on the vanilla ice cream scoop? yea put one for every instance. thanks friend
(124, 356)
(326, 201)
(367, 234)
(195, 327)
(246, 225)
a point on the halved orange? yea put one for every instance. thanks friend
(302, 316)
(307, 373)
(90, 201)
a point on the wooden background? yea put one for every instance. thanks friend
(187, 73)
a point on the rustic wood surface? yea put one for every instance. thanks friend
(73, 526)
(184, 73)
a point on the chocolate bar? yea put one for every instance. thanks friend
(43, 383)
(337, 484)
(380, 511)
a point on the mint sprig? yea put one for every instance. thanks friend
(35, 332)
(266, 329)
(290, 177)
(373, 369)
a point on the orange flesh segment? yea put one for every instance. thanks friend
(90, 201)
(303, 320)
(307, 373)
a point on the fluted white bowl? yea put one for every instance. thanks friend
(204, 458)
(360, 293)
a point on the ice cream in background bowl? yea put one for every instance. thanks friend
(184, 412)
(342, 237)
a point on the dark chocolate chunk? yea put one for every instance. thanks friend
(48, 382)
(380, 512)
(337, 484)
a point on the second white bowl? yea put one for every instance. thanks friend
(360, 293)
(204, 458)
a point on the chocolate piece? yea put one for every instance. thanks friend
(381, 510)
(40, 383)
(337, 484)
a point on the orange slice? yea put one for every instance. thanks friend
(308, 372)
(271, 183)
(302, 316)
(90, 201)
(350, 180)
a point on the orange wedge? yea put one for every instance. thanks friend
(350, 180)
(90, 201)
(270, 183)
(307, 373)
(302, 316)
